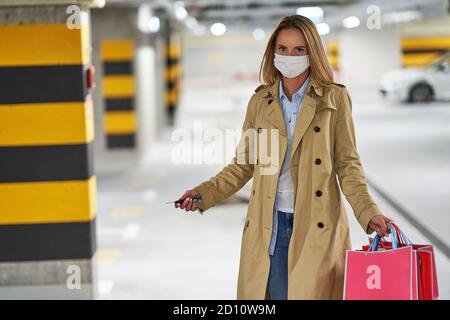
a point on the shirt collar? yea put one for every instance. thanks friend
(299, 93)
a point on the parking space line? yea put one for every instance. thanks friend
(434, 239)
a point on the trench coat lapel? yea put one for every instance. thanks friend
(273, 112)
(307, 112)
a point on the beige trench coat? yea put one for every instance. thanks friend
(320, 235)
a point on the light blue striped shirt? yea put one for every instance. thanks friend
(284, 199)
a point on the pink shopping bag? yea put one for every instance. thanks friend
(426, 264)
(395, 272)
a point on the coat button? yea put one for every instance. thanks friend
(253, 192)
(318, 161)
(318, 193)
(320, 225)
(316, 129)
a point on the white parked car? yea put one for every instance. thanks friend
(428, 83)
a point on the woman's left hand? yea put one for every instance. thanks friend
(379, 224)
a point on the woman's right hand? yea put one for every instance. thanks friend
(188, 204)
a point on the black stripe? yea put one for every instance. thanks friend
(170, 62)
(121, 141)
(434, 239)
(117, 67)
(42, 84)
(50, 241)
(171, 84)
(46, 163)
(119, 104)
(412, 51)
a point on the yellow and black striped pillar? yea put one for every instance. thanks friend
(333, 56)
(420, 51)
(119, 93)
(172, 76)
(47, 184)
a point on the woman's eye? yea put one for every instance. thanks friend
(300, 49)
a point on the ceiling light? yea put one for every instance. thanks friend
(218, 29)
(259, 34)
(180, 11)
(323, 28)
(153, 24)
(313, 13)
(351, 22)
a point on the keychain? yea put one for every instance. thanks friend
(196, 198)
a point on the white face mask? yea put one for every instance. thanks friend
(291, 66)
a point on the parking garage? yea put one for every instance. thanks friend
(109, 109)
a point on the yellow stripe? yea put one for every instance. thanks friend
(118, 86)
(120, 122)
(116, 50)
(171, 97)
(173, 51)
(333, 47)
(173, 72)
(426, 43)
(419, 59)
(46, 123)
(48, 202)
(43, 44)
(334, 61)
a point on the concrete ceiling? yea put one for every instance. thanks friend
(265, 13)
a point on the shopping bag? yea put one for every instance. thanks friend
(396, 270)
(426, 265)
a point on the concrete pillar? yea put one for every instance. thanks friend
(125, 115)
(145, 58)
(173, 73)
(332, 47)
(366, 54)
(118, 89)
(47, 182)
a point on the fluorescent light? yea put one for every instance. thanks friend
(259, 34)
(323, 28)
(153, 24)
(399, 17)
(351, 22)
(313, 13)
(218, 29)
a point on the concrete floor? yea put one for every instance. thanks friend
(150, 250)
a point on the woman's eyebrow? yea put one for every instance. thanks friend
(281, 45)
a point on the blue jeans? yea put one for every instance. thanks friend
(278, 275)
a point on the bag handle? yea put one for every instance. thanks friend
(398, 237)
(375, 243)
(403, 238)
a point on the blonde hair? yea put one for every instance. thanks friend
(319, 66)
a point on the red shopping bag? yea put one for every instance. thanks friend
(397, 270)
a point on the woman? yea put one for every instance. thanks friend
(296, 232)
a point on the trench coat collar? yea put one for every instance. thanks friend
(311, 104)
